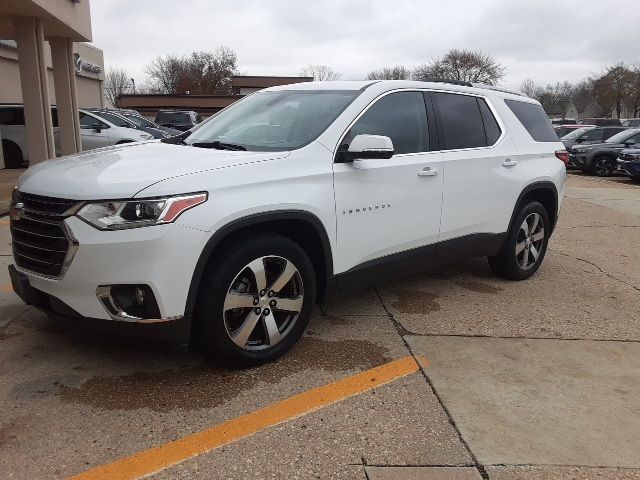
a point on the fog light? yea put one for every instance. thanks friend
(139, 296)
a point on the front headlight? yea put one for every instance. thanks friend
(584, 149)
(122, 214)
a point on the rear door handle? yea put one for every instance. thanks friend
(509, 163)
(428, 172)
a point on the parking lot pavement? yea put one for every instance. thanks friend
(541, 372)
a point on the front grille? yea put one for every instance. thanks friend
(40, 241)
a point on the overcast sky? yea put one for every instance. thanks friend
(546, 40)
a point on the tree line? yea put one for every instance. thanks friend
(210, 72)
(615, 87)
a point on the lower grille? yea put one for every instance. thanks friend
(41, 242)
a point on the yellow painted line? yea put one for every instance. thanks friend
(6, 288)
(163, 456)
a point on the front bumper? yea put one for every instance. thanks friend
(163, 257)
(578, 160)
(174, 331)
(630, 167)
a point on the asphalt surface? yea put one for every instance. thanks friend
(529, 380)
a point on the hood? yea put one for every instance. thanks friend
(123, 170)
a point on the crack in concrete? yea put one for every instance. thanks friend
(596, 266)
(401, 332)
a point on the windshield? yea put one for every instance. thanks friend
(273, 121)
(621, 137)
(141, 122)
(117, 120)
(575, 134)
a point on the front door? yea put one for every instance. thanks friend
(94, 133)
(389, 206)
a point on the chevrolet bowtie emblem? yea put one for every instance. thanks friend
(17, 211)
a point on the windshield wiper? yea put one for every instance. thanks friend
(218, 145)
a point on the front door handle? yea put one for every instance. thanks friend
(509, 163)
(428, 172)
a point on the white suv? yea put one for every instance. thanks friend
(227, 235)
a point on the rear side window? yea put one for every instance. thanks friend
(534, 119)
(461, 120)
(490, 124)
(401, 116)
(12, 116)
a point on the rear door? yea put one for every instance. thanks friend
(388, 206)
(483, 178)
(94, 133)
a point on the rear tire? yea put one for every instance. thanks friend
(240, 306)
(13, 157)
(526, 244)
(602, 166)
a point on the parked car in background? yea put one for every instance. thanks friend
(14, 134)
(182, 120)
(563, 121)
(562, 130)
(120, 120)
(97, 131)
(601, 122)
(231, 237)
(140, 121)
(629, 162)
(632, 122)
(600, 158)
(589, 135)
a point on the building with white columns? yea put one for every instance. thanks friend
(42, 63)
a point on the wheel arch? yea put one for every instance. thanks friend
(300, 226)
(544, 192)
(10, 143)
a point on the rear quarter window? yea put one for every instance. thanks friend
(534, 120)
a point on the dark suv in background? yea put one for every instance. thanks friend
(182, 120)
(589, 135)
(600, 158)
(601, 122)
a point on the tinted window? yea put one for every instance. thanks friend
(400, 116)
(490, 124)
(461, 120)
(54, 117)
(534, 119)
(173, 117)
(117, 120)
(11, 116)
(621, 137)
(593, 135)
(87, 121)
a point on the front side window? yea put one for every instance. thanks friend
(117, 120)
(462, 121)
(401, 116)
(87, 121)
(620, 137)
(596, 134)
(534, 120)
(274, 121)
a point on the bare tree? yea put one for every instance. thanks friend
(613, 87)
(117, 81)
(200, 73)
(634, 89)
(165, 73)
(397, 72)
(320, 73)
(530, 88)
(463, 65)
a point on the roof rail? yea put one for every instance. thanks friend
(447, 80)
(498, 89)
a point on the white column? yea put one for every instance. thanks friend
(35, 96)
(64, 79)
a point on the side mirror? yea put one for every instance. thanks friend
(364, 147)
(97, 127)
(629, 141)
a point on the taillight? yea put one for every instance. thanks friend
(563, 155)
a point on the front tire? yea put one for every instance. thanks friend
(256, 300)
(602, 166)
(13, 157)
(526, 244)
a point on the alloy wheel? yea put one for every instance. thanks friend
(263, 303)
(603, 167)
(530, 241)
